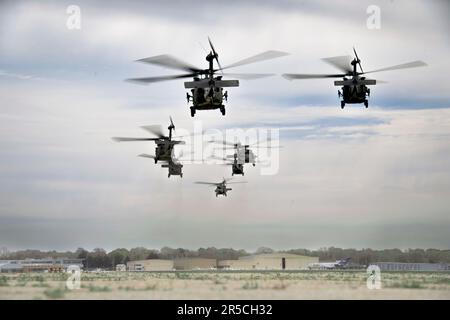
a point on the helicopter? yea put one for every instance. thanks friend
(237, 167)
(354, 85)
(174, 166)
(207, 89)
(221, 187)
(164, 144)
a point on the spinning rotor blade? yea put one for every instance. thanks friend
(168, 61)
(293, 76)
(160, 78)
(143, 155)
(216, 55)
(413, 64)
(234, 182)
(249, 76)
(207, 183)
(357, 58)
(155, 129)
(120, 139)
(272, 54)
(226, 143)
(340, 62)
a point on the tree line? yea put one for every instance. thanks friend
(100, 258)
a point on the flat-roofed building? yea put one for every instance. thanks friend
(150, 265)
(407, 266)
(269, 261)
(195, 264)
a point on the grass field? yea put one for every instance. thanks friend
(227, 285)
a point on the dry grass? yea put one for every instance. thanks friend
(226, 285)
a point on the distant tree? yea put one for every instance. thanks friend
(154, 254)
(139, 253)
(118, 256)
(81, 253)
(98, 259)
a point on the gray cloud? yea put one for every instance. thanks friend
(350, 177)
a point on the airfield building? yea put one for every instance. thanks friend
(39, 265)
(402, 266)
(269, 261)
(150, 265)
(195, 264)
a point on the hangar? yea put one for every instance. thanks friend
(194, 264)
(269, 261)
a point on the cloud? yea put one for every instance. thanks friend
(352, 177)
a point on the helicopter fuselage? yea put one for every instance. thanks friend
(222, 189)
(164, 151)
(237, 168)
(354, 93)
(175, 169)
(208, 94)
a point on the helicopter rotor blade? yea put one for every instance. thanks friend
(340, 62)
(171, 62)
(249, 76)
(357, 59)
(121, 139)
(413, 64)
(147, 80)
(171, 123)
(267, 55)
(155, 129)
(216, 55)
(207, 183)
(144, 155)
(294, 76)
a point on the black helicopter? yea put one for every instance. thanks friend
(164, 144)
(242, 154)
(221, 187)
(354, 87)
(206, 89)
(237, 167)
(174, 166)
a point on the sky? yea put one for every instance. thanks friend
(376, 177)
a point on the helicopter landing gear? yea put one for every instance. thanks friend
(156, 161)
(366, 103)
(222, 110)
(168, 176)
(342, 104)
(192, 111)
(181, 175)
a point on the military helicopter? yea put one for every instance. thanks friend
(354, 87)
(174, 166)
(242, 154)
(164, 144)
(206, 89)
(221, 187)
(237, 167)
